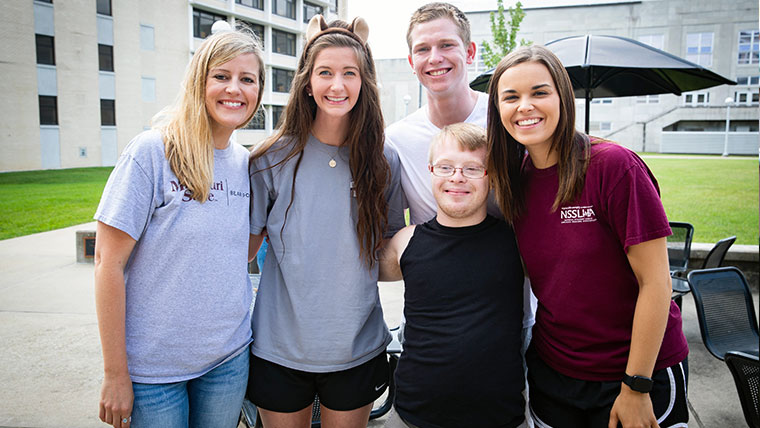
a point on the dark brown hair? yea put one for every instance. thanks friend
(369, 168)
(506, 154)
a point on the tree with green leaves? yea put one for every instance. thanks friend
(504, 33)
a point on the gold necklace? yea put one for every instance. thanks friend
(332, 162)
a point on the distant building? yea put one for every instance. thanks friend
(81, 79)
(721, 36)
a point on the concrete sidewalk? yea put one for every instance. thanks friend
(50, 361)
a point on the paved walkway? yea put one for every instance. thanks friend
(50, 363)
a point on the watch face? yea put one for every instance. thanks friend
(639, 383)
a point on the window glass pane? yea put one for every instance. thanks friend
(257, 29)
(283, 42)
(281, 79)
(749, 49)
(103, 7)
(45, 49)
(259, 120)
(146, 37)
(256, 4)
(148, 89)
(286, 8)
(276, 113)
(309, 10)
(105, 58)
(48, 110)
(202, 22)
(107, 113)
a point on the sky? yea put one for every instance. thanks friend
(388, 19)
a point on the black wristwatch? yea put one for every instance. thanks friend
(638, 383)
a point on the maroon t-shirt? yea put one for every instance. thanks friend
(576, 259)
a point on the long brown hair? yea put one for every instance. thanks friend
(186, 126)
(506, 154)
(369, 169)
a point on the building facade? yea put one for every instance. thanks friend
(721, 36)
(85, 77)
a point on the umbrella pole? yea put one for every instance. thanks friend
(588, 109)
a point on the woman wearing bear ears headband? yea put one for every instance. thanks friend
(325, 190)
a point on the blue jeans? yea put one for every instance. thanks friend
(212, 400)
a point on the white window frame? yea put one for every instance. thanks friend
(753, 48)
(693, 98)
(704, 50)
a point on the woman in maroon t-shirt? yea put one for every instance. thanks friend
(607, 346)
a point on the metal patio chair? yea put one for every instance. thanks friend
(713, 259)
(726, 314)
(746, 371)
(718, 252)
(679, 247)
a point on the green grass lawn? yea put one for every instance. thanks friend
(718, 196)
(37, 201)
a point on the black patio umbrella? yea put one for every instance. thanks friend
(613, 66)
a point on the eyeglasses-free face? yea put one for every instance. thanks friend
(444, 170)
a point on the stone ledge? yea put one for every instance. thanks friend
(738, 253)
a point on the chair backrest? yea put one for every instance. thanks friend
(746, 371)
(679, 245)
(718, 253)
(725, 310)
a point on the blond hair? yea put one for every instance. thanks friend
(185, 125)
(437, 10)
(470, 138)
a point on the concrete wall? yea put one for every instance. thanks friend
(19, 118)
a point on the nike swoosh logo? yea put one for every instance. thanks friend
(378, 388)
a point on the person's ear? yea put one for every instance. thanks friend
(471, 51)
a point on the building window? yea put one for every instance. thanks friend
(45, 1)
(283, 42)
(696, 98)
(601, 101)
(281, 79)
(748, 80)
(107, 113)
(747, 97)
(147, 37)
(656, 41)
(256, 4)
(45, 49)
(105, 58)
(309, 10)
(258, 121)
(103, 7)
(148, 89)
(48, 110)
(276, 113)
(648, 99)
(257, 29)
(334, 6)
(699, 48)
(600, 126)
(286, 8)
(202, 22)
(749, 47)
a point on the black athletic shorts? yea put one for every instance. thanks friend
(281, 389)
(558, 401)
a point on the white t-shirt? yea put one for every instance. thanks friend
(411, 137)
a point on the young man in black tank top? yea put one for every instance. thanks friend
(461, 364)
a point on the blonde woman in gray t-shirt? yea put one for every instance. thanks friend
(171, 289)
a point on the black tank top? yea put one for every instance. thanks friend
(461, 365)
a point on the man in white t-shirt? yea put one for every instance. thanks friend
(440, 49)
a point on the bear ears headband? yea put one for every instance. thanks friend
(358, 30)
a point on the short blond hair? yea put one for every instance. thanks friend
(437, 10)
(470, 138)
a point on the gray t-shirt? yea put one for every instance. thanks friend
(317, 308)
(187, 290)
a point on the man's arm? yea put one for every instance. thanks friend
(390, 255)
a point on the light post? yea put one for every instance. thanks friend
(407, 98)
(728, 102)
